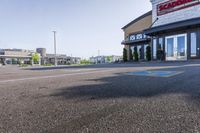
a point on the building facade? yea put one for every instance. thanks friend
(21, 56)
(61, 59)
(98, 60)
(175, 30)
(105, 59)
(134, 37)
(15, 56)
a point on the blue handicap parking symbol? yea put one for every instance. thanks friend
(156, 73)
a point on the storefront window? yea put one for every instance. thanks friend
(160, 45)
(160, 52)
(170, 47)
(145, 51)
(193, 44)
(181, 46)
(139, 51)
(132, 49)
(154, 49)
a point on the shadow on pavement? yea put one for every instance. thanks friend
(123, 85)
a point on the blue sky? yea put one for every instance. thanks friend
(83, 26)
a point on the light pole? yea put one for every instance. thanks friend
(55, 48)
(98, 56)
(98, 52)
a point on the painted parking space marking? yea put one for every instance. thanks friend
(165, 74)
(55, 76)
(78, 70)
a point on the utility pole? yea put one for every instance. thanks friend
(98, 52)
(55, 63)
(98, 56)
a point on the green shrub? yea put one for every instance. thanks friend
(85, 62)
(47, 65)
(160, 53)
(35, 58)
(131, 54)
(125, 55)
(148, 53)
(109, 58)
(136, 56)
(23, 65)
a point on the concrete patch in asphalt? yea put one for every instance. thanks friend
(165, 74)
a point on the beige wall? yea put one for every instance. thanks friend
(17, 53)
(139, 26)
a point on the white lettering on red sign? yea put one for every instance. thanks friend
(174, 5)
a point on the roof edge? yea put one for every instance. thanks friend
(183, 23)
(137, 19)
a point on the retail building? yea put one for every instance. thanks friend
(15, 56)
(134, 36)
(105, 59)
(21, 56)
(174, 30)
(62, 59)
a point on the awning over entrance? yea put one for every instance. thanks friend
(181, 25)
(128, 42)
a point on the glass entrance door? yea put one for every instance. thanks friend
(170, 44)
(176, 47)
(182, 47)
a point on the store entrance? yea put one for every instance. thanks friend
(176, 47)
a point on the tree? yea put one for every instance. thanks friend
(35, 58)
(160, 52)
(109, 58)
(20, 62)
(85, 62)
(148, 53)
(125, 55)
(136, 54)
(131, 54)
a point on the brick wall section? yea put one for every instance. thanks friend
(180, 15)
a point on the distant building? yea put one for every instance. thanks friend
(62, 59)
(105, 59)
(42, 52)
(98, 60)
(114, 58)
(21, 56)
(75, 60)
(15, 56)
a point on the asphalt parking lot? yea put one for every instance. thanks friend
(101, 99)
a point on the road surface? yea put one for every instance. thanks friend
(100, 99)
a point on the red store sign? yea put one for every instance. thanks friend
(174, 5)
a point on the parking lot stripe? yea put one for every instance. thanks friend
(53, 76)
